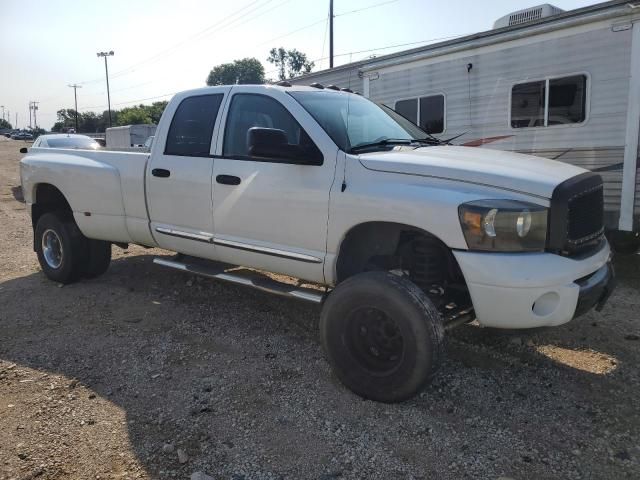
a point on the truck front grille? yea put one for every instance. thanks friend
(576, 222)
(585, 217)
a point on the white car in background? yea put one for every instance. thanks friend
(66, 140)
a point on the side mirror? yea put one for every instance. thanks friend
(272, 143)
(24, 150)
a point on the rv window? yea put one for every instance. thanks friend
(432, 114)
(527, 105)
(192, 126)
(408, 109)
(566, 102)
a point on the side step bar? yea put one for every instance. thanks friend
(221, 271)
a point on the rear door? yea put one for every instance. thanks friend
(178, 177)
(271, 213)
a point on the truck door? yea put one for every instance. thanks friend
(271, 213)
(178, 177)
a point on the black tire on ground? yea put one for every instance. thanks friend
(99, 258)
(383, 336)
(624, 243)
(60, 233)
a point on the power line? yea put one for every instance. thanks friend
(201, 34)
(132, 101)
(242, 20)
(365, 8)
(324, 37)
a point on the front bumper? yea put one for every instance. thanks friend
(595, 289)
(527, 290)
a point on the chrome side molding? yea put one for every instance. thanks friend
(208, 238)
(200, 237)
(267, 251)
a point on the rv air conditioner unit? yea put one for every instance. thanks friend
(527, 15)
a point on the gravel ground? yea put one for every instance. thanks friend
(150, 373)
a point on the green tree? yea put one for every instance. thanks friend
(290, 63)
(4, 123)
(245, 71)
(133, 116)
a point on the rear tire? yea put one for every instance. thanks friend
(99, 258)
(61, 247)
(382, 335)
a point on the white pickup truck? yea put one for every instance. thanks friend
(404, 238)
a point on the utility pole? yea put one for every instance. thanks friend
(330, 33)
(33, 105)
(75, 96)
(2, 106)
(16, 125)
(106, 71)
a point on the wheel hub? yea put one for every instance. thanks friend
(52, 248)
(375, 340)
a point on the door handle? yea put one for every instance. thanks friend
(160, 172)
(228, 179)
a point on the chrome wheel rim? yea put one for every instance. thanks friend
(52, 249)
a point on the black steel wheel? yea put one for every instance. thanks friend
(382, 335)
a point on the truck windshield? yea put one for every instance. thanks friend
(353, 121)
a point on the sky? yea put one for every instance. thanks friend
(162, 47)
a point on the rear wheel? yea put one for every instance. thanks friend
(60, 246)
(99, 258)
(382, 335)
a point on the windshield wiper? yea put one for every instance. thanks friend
(381, 143)
(431, 140)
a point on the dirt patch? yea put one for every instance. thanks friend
(150, 373)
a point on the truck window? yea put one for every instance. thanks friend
(192, 126)
(249, 110)
(565, 103)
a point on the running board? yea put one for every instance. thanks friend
(247, 278)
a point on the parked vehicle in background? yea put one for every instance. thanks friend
(22, 136)
(129, 136)
(555, 84)
(405, 238)
(63, 140)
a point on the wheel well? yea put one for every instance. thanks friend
(47, 198)
(423, 257)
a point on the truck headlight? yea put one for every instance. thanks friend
(504, 225)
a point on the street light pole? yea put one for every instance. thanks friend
(106, 70)
(35, 116)
(75, 96)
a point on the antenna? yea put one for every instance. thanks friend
(344, 169)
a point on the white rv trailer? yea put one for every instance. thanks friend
(129, 136)
(563, 85)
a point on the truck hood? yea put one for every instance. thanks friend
(505, 170)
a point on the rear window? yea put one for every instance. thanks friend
(73, 142)
(192, 126)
